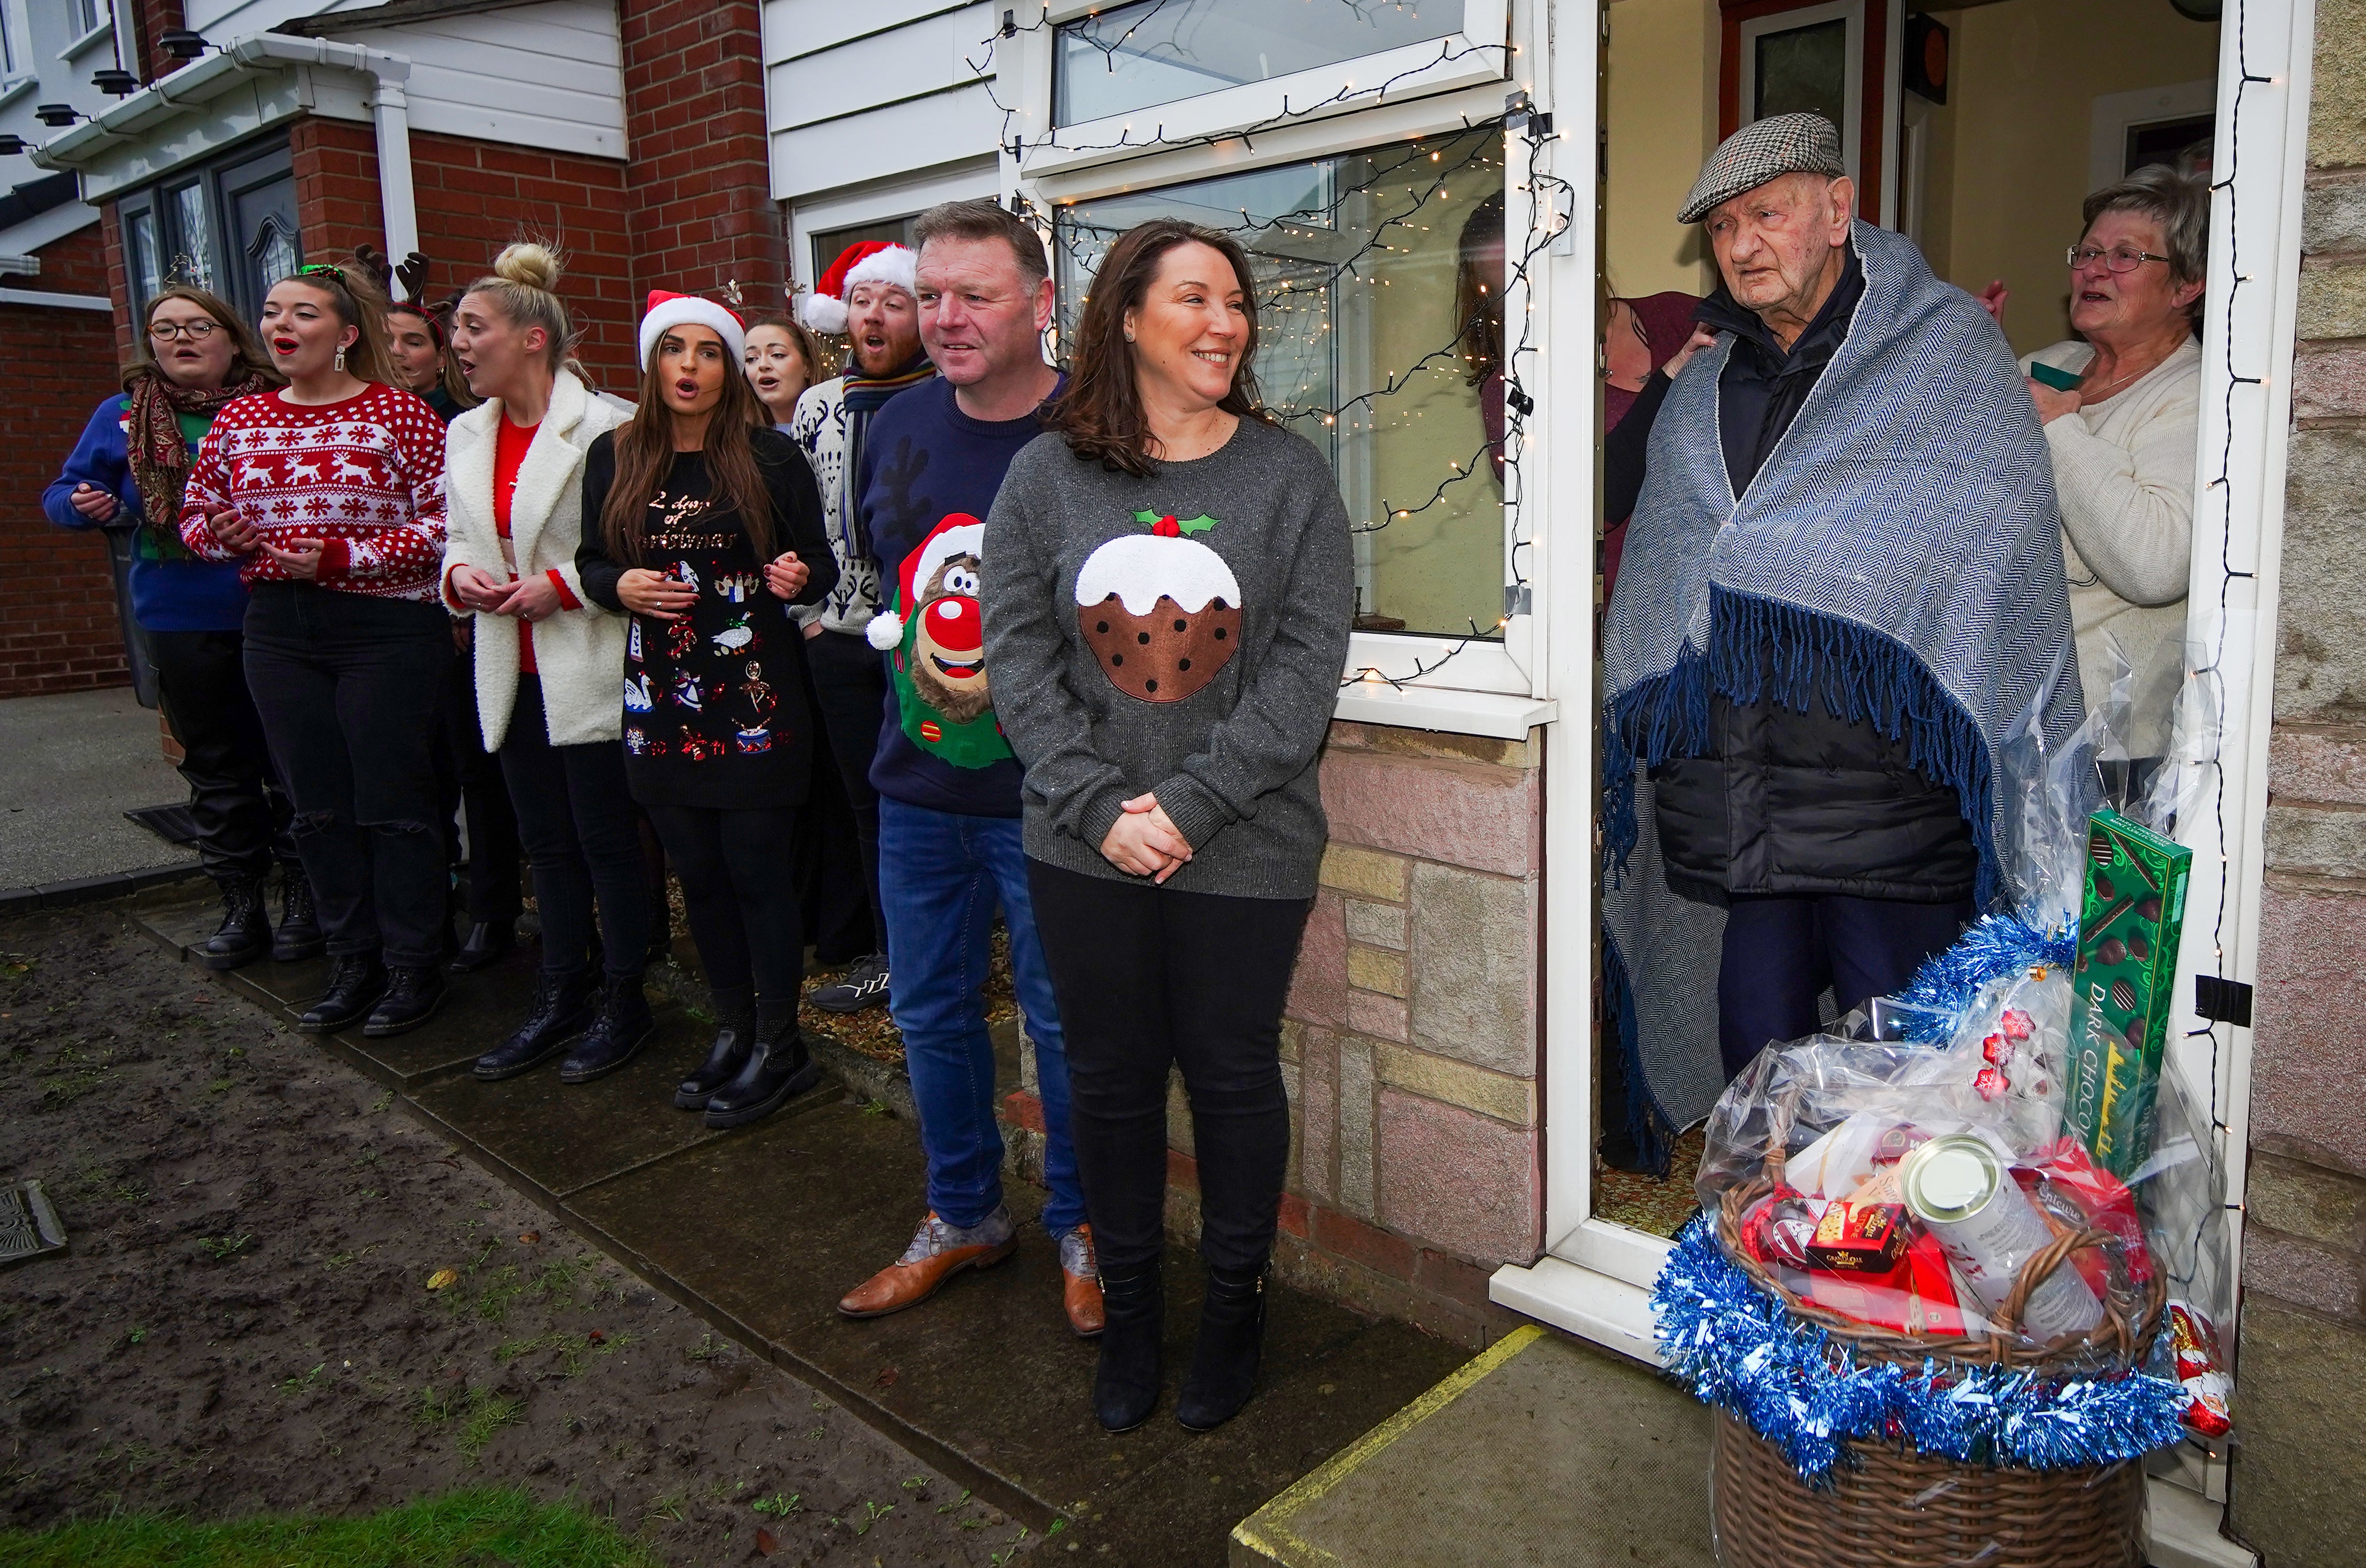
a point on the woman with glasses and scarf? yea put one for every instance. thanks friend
(194, 357)
(329, 495)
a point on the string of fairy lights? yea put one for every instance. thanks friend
(1342, 237)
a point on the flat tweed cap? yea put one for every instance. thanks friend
(1763, 150)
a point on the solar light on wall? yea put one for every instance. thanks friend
(181, 43)
(57, 114)
(11, 144)
(115, 80)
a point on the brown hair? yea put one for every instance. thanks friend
(247, 357)
(1099, 410)
(979, 219)
(447, 369)
(645, 456)
(819, 367)
(1478, 300)
(353, 293)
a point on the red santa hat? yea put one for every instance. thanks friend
(959, 534)
(866, 261)
(689, 311)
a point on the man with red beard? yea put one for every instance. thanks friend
(867, 294)
(948, 811)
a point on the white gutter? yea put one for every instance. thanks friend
(56, 301)
(182, 92)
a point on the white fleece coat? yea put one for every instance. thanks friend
(579, 653)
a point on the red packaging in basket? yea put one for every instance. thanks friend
(1918, 1297)
(2104, 1199)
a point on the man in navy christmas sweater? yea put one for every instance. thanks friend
(948, 811)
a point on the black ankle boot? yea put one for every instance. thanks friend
(414, 992)
(245, 931)
(1125, 1382)
(484, 946)
(735, 1035)
(615, 1036)
(562, 1006)
(778, 1068)
(1232, 1338)
(299, 936)
(357, 980)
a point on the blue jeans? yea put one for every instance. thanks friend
(940, 876)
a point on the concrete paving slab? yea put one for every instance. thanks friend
(71, 765)
(1541, 1451)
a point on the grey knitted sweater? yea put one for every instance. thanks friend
(1181, 635)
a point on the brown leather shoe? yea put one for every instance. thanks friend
(1080, 1282)
(938, 1252)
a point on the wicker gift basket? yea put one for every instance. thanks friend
(1888, 1505)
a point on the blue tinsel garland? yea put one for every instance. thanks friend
(1739, 1350)
(1947, 983)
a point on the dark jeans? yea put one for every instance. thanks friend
(737, 871)
(351, 690)
(574, 813)
(234, 796)
(470, 780)
(848, 680)
(1147, 979)
(1781, 951)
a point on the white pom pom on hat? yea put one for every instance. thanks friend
(689, 311)
(886, 631)
(866, 261)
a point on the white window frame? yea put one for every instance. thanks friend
(880, 203)
(1494, 687)
(17, 68)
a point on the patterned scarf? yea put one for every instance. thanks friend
(159, 453)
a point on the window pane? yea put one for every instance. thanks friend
(1365, 269)
(1805, 69)
(194, 262)
(1157, 52)
(275, 256)
(142, 259)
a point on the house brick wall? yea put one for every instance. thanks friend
(473, 197)
(57, 625)
(2298, 1483)
(698, 173)
(151, 19)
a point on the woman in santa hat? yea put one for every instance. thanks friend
(702, 522)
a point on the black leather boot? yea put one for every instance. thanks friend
(299, 936)
(483, 946)
(1125, 1382)
(1232, 1339)
(563, 1005)
(778, 1068)
(735, 1035)
(616, 1035)
(245, 934)
(357, 980)
(414, 992)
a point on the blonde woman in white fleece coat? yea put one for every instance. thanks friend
(550, 663)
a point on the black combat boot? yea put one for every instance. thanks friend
(245, 934)
(616, 1035)
(563, 1005)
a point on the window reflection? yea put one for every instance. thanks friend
(195, 263)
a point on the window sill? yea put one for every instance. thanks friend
(1495, 713)
(97, 35)
(16, 88)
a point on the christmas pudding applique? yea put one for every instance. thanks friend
(1160, 611)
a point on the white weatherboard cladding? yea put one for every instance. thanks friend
(222, 20)
(883, 91)
(1140, 568)
(550, 75)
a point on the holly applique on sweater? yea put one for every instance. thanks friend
(1160, 611)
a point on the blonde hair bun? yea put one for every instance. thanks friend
(532, 264)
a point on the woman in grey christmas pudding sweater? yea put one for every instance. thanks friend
(1168, 591)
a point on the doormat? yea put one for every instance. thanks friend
(171, 823)
(28, 1225)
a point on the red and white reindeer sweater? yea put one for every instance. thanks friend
(365, 476)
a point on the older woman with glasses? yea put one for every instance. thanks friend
(2121, 404)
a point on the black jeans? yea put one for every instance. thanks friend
(470, 780)
(737, 871)
(234, 796)
(574, 813)
(848, 679)
(1149, 978)
(1782, 951)
(351, 690)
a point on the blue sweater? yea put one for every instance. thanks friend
(928, 469)
(178, 594)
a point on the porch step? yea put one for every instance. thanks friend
(1540, 1452)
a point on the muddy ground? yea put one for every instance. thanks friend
(250, 1315)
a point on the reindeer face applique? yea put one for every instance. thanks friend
(937, 633)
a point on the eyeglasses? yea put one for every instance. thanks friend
(170, 331)
(2119, 258)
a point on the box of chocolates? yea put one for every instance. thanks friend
(1858, 1234)
(2129, 920)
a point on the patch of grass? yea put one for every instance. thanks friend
(479, 1413)
(464, 1529)
(877, 1108)
(575, 1350)
(303, 1385)
(781, 1505)
(669, 1508)
(77, 1073)
(221, 1248)
(708, 1349)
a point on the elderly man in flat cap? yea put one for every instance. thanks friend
(1842, 591)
